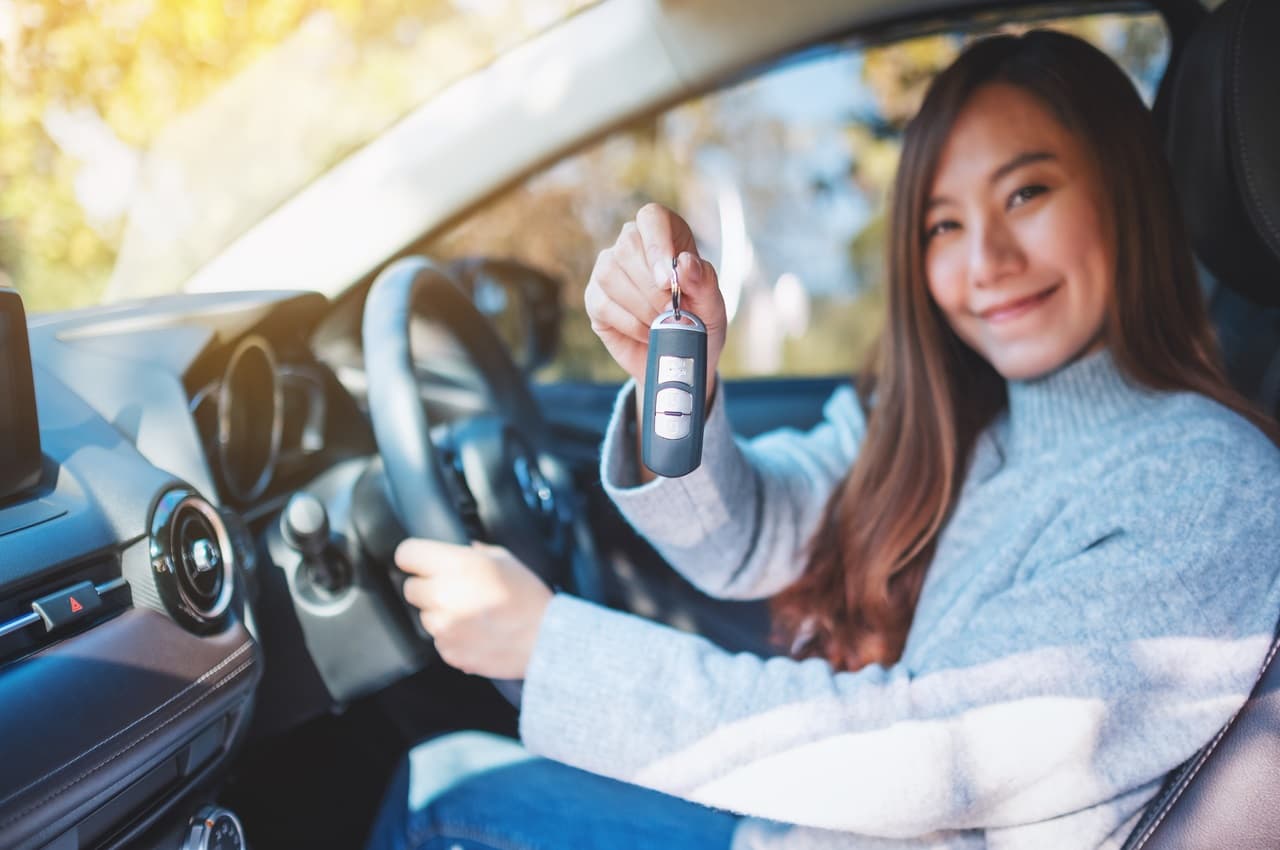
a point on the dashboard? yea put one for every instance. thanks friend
(147, 470)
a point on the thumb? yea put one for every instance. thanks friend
(700, 289)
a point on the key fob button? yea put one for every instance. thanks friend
(672, 368)
(674, 400)
(671, 426)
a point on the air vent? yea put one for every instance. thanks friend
(191, 556)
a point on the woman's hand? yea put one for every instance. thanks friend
(481, 605)
(631, 284)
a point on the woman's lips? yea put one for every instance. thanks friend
(1014, 309)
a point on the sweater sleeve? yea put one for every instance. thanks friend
(1097, 674)
(736, 526)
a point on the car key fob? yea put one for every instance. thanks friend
(675, 393)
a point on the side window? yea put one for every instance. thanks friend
(784, 180)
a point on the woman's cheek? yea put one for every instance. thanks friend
(946, 287)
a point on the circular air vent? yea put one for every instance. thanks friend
(191, 556)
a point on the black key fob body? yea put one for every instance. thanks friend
(675, 395)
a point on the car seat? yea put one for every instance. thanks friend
(1222, 130)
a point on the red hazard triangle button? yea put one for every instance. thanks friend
(68, 605)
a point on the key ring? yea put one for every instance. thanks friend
(675, 290)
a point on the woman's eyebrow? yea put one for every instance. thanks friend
(1025, 158)
(1019, 161)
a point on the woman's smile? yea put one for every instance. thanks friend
(1014, 308)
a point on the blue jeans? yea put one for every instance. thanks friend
(476, 791)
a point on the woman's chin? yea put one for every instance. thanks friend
(1026, 361)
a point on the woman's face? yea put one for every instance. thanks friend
(1017, 253)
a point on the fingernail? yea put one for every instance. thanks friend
(688, 266)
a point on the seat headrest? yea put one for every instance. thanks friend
(1223, 140)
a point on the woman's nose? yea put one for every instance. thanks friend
(993, 253)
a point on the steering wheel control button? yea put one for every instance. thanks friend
(534, 486)
(675, 369)
(67, 606)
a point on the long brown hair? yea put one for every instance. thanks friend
(933, 394)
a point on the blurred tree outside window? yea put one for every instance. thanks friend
(784, 180)
(138, 138)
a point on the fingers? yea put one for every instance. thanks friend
(630, 286)
(417, 592)
(421, 594)
(614, 301)
(664, 236)
(428, 557)
(609, 319)
(700, 289)
(650, 288)
(428, 587)
(622, 296)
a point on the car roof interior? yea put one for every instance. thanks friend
(599, 70)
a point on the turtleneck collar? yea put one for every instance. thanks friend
(1071, 402)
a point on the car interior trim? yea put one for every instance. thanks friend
(82, 757)
(241, 650)
(19, 623)
(498, 117)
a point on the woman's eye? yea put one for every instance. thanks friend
(939, 228)
(1026, 193)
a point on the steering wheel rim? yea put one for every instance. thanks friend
(419, 493)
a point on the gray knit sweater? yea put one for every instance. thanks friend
(1098, 606)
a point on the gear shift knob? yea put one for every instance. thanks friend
(305, 524)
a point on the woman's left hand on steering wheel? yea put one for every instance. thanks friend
(481, 605)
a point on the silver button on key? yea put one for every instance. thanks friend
(675, 369)
(671, 426)
(674, 400)
(672, 420)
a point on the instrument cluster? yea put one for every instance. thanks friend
(261, 418)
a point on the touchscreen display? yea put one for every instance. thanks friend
(19, 430)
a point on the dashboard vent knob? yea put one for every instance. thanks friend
(192, 559)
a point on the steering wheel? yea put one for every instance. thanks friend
(481, 477)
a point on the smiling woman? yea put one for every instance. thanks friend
(998, 569)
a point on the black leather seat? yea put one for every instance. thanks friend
(1223, 136)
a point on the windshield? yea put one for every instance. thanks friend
(139, 138)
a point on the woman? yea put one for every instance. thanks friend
(1034, 578)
